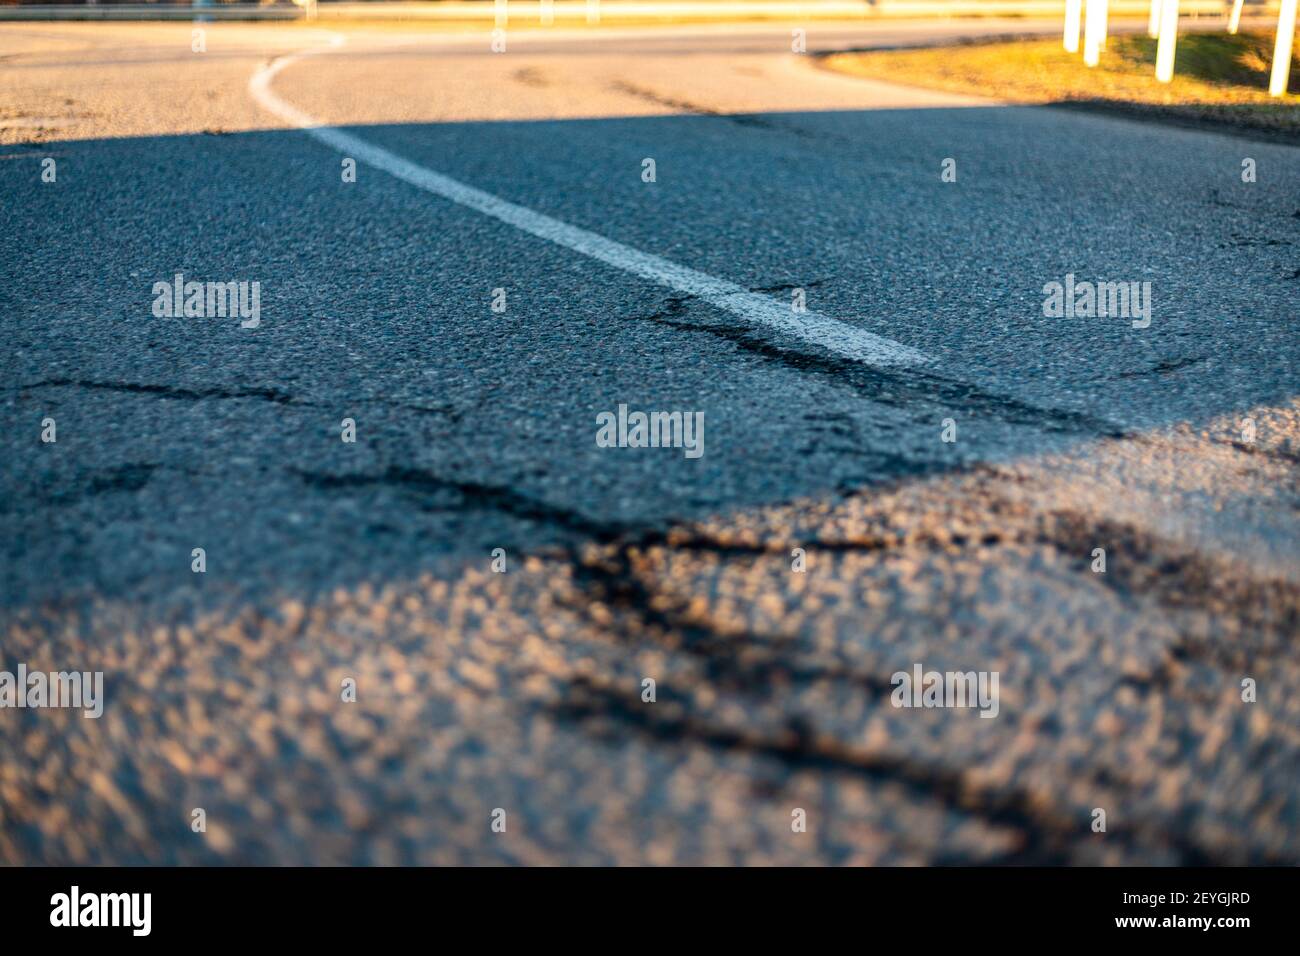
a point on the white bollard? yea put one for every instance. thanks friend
(1234, 21)
(1092, 34)
(1105, 21)
(1153, 20)
(1168, 40)
(1073, 18)
(1282, 52)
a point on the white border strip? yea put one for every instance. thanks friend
(831, 334)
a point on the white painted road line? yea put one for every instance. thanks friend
(758, 310)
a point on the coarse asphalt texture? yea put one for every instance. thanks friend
(1175, 448)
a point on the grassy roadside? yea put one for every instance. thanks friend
(1220, 81)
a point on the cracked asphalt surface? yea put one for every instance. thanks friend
(475, 430)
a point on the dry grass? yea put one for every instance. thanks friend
(1219, 80)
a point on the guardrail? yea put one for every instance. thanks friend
(612, 10)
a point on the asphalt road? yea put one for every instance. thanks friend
(476, 429)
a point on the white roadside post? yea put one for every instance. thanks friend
(1282, 52)
(1168, 40)
(1092, 34)
(1153, 20)
(1105, 21)
(1073, 17)
(1234, 21)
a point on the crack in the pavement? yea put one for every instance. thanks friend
(167, 391)
(124, 478)
(1237, 239)
(740, 660)
(1143, 570)
(1274, 453)
(471, 496)
(1047, 835)
(788, 286)
(1165, 367)
(261, 393)
(899, 389)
